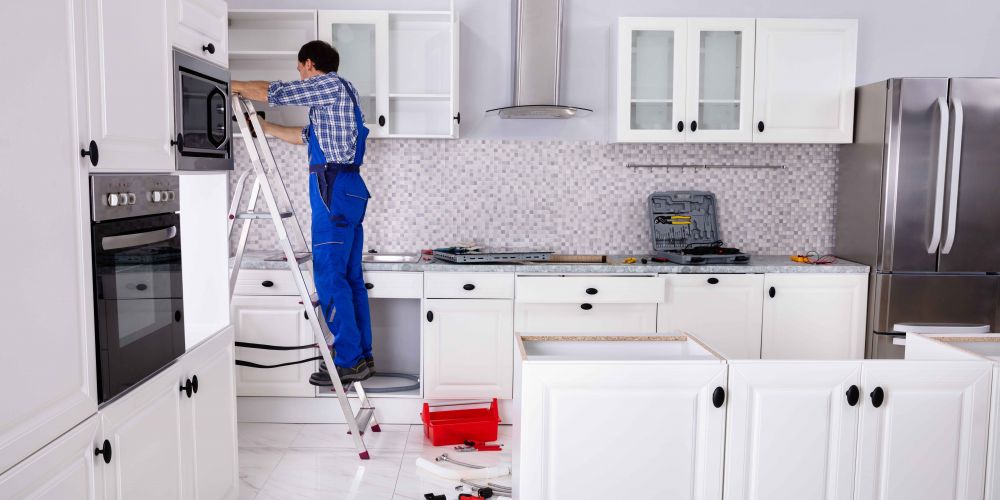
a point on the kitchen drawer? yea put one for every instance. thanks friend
(530, 318)
(269, 282)
(468, 285)
(394, 285)
(590, 289)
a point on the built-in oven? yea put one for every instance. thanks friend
(138, 297)
(201, 114)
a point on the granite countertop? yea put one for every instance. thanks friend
(758, 264)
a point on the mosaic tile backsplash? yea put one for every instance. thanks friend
(572, 196)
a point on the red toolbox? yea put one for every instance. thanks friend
(446, 427)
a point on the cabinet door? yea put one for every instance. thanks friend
(200, 27)
(720, 80)
(209, 421)
(723, 311)
(651, 79)
(144, 429)
(65, 469)
(273, 321)
(791, 431)
(362, 39)
(468, 348)
(814, 316)
(927, 439)
(804, 80)
(48, 356)
(130, 84)
(574, 414)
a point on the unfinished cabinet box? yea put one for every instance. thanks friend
(722, 310)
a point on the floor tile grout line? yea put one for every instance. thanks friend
(399, 471)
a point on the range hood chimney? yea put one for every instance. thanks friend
(537, 47)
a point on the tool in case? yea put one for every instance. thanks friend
(685, 230)
(487, 255)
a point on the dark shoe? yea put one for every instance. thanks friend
(371, 365)
(356, 373)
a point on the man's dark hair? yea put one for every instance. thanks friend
(324, 57)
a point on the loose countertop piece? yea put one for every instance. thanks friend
(758, 264)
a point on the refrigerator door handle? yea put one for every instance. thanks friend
(956, 169)
(942, 168)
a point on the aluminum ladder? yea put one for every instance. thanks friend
(263, 165)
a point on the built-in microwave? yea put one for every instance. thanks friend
(201, 114)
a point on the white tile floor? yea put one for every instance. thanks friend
(312, 461)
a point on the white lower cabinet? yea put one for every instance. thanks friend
(273, 320)
(65, 469)
(814, 316)
(722, 310)
(468, 348)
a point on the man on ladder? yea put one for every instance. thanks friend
(338, 196)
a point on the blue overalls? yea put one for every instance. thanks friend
(339, 198)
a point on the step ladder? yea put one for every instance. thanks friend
(263, 166)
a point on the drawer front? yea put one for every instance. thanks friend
(468, 285)
(394, 285)
(269, 282)
(573, 319)
(590, 289)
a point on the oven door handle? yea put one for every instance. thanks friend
(210, 113)
(138, 239)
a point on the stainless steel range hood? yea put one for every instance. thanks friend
(537, 47)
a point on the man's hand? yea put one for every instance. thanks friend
(255, 90)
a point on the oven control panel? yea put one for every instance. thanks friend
(116, 196)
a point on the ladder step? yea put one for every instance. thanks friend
(262, 215)
(364, 417)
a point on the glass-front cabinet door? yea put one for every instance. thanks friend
(720, 80)
(651, 84)
(361, 38)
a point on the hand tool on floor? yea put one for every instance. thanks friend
(263, 167)
(495, 488)
(470, 445)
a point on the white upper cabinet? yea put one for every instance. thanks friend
(804, 83)
(651, 79)
(130, 81)
(814, 316)
(199, 27)
(720, 80)
(47, 360)
(362, 39)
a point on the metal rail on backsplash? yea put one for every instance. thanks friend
(667, 165)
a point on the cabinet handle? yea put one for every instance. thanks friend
(92, 152)
(457, 118)
(210, 48)
(680, 126)
(178, 316)
(878, 396)
(381, 120)
(179, 141)
(187, 388)
(305, 314)
(267, 283)
(141, 287)
(770, 292)
(469, 287)
(713, 281)
(760, 126)
(694, 125)
(194, 383)
(430, 316)
(104, 450)
(853, 395)
(718, 397)
(369, 286)
(586, 307)
(591, 291)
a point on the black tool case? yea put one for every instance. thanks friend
(684, 221)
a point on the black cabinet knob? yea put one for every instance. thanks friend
(210, 48)
(369, 286)
(92, 152)
(586, 307)
(187, 388)
(591, 291)
(267, 283)
(853, 395)
(694, 125)
(179, 141)
(680, 126)
(770, 292)
(194, 383)
(878, 396)
(381, 120)
(718, 397)
(430, 316)
(104, 450)
(713, 281)
(760, 126)
(141, 287)
(178, 316)
(457, 118)
(469, 287)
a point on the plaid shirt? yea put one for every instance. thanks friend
(331, 112)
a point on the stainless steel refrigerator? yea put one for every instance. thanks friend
(918, 200)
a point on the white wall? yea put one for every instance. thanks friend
(897, 38)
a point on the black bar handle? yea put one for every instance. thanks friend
(369, 286)
(770, 292)
(591, 291)
(586, 307)
(680, 126)
(430, 316)
(194, 383)
(713, 281)
(694, 125)
(469, 287)
(187, 388)
(718, 397)
(104, 450)
(878, 397)
(853, 395)
(92, 152)
(210, 48)
(381, 120)
(760, 126)
(267, 283)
